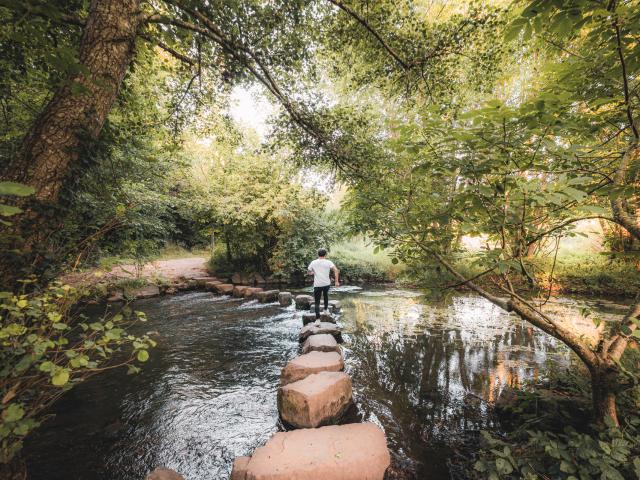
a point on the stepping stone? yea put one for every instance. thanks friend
(202, 281)
(312, 308)
(311, 317)
(211, 285)
(312, 362)
(303, 301)
(357, 451)
(147, 291)
(268, 296)
(337, 306)
(319, 399)
(238, 291)
(285, 299)
(320, 343)
(239, 471)
(164, 474)
(224, 288)
(324, 327)
(251, 292)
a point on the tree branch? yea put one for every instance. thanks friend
(371, 30)
(174, 53)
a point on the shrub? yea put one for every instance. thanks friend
(47, 349)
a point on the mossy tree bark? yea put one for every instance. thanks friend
(75, 114)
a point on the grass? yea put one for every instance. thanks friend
(170, 252)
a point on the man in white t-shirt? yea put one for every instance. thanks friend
(320, 268)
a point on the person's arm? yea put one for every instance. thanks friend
(310, 271)
(336, 272)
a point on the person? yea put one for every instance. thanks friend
(321, 268)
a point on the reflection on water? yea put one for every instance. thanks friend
(424, 371)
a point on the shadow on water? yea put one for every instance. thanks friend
(425, 371)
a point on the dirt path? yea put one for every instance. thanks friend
(171, 270)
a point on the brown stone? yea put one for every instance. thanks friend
(285, 299)
(324, 327)
(303, 301)
(116, 297)
(239, 471)
(211, 285)
(251, 292)
(310, 317)
(268, 296)
(238, 291)
(147, 291)
(356, 451)
(318, 399)
(320, 343)
(337, 306)
(202, 281)
(224, 288)
(312, 362)
(164, 474)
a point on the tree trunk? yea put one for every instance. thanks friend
(75, 115)
(603, 396)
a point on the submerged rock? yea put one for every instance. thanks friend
(324, 327)
(319, 399)
(336, 305)
(320, 343)
(285, 298)
(347, 452)
(309, 363)
(303, 301)
(164, 474)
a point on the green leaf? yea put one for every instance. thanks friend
(60, 378)
(18, 189)
(143, 356)
(8, 210)
(13, 413)
(46, 366)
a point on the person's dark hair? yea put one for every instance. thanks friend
(322, 252)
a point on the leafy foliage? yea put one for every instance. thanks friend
(47, 349)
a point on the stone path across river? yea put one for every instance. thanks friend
(313, 398)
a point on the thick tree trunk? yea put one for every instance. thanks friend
(75, 114)
(603, 396)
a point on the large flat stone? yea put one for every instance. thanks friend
(224, 288)
(324, 327)
(356, 451)
(268, 296)
(320, 343)
(310, 317)
(303, 301)
(312, 308)
(164, 474)
(252, 292)
(147, 291)
(211, 285)
(202, 281)
(318, 399)
(239, 471)
(238, 291)
(312, 362)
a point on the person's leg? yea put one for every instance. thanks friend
(325, 292)
(317, 292)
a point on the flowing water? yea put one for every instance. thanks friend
(426, 371)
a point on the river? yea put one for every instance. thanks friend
(425, 370)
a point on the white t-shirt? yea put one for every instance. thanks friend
(321, 267)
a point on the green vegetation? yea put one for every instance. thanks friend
(47, 349)
(359, 262)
